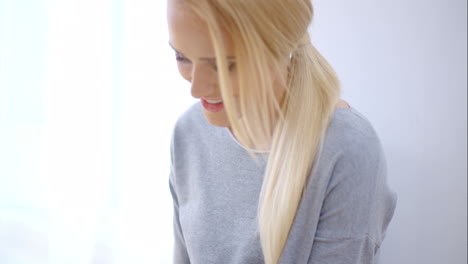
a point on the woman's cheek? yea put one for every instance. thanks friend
(185, 71)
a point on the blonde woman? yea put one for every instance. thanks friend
(270, 166)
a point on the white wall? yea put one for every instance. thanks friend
(404, 65)
(89, 92)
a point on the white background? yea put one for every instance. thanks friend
(403, 64)
(89, 93)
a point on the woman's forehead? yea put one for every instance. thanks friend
(190, 40)
(190, 36)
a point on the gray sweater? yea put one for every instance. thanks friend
(342, 218)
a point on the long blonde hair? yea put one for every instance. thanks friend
(266, 35)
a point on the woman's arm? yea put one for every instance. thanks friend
(357, 209)
(180, 251)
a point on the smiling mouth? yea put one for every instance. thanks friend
(212, 105)
(214, 101)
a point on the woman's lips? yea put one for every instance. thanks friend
(212, 107)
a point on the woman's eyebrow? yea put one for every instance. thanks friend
(175, 49)
(211, 60)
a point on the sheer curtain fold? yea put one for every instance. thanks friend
(84, 148)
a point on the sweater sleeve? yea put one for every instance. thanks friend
(357, 208)
(180, 255)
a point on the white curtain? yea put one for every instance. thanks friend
(89, 93)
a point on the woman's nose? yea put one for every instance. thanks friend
(203, 82)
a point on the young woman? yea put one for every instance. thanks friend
(271, 166)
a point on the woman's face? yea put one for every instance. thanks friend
(195, 55)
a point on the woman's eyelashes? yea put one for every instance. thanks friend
(181, 58)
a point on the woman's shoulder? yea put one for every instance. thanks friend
(351, 145)
(193, 129)
(351, 132)
(192, 123)
(192, 116)
(352, 170)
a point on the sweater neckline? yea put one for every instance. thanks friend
(256, 151)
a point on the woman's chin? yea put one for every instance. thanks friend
(218, 119)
